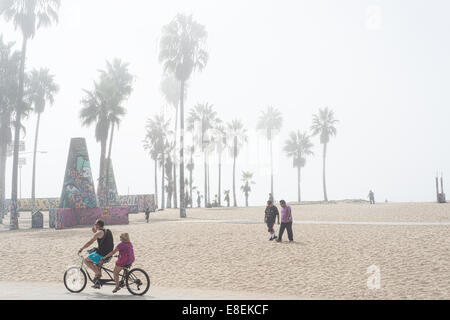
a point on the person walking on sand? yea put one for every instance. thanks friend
(269, 218)
(371, 197)
(270, 197)
(286, 222)
(147, 214)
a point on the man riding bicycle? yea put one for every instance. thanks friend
(105, 243)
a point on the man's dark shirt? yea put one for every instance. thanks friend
(271, 213)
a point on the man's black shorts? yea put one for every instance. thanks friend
(270, 226)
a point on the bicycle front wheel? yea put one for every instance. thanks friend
(138, 282)
(75, 279)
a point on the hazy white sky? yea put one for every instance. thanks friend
(382, 66)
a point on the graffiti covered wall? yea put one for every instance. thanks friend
(101, 190)
(142, 201)
(69, 218)
(43, 204)
(78, 189)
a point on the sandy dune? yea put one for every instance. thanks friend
(324, 262)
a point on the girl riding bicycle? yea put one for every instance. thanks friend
(126, 257)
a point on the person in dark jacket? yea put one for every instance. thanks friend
(271, 214)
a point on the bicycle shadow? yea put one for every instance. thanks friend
(112, 296)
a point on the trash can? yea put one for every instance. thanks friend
(37, 220)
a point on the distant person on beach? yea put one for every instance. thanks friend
(105, 243)
(270, 197)
(371, 197)
(126, 257)
(270, 214)
(147, 214)
(227, 197)
(286, 222)
(199, 199)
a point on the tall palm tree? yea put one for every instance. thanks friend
(95, 111)
(41, 89)
(157, 142)
(270, 123)
(324, 124)
(221, 143)
(182, 51)
(120, 79)
(201, 121)
(28, 16)
(247, 177)
(9, 81)
(298, 146)
(238, 136)
(170, 88)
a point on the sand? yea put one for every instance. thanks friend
(326, 261)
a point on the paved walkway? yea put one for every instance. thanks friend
(57, 291)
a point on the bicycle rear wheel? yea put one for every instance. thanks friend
(75, 279)
(138, 282)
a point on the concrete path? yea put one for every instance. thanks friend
(57, 291)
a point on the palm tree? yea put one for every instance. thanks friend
(170, 88)
(270, 123)
(95, 111)
(156, 141)
(182, 51)
(202, 119)
(238, 134)
(324, 124)
(120, 79)
(41, 89)
(297, 147)
(29, 16)
(9, 81)
(103, 106)
(220, 143)
(247, 177)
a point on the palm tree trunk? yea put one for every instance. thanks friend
(156, 183)
(3, 150)
(271, 170)
(14, 221)
(108, 165)
(220, 178)
(182, 202)
(175, 196)
(206, 180)
(163, 205)
(234, 182)
(298, 181)
(209, 185)
(324, 182)
(190, 183)
(33, 182)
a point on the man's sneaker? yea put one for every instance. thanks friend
(97, 285)
(275, 237)
(278, 240)
(291, 241)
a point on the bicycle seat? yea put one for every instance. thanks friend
(128, 266)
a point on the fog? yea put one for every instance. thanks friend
(383, 67)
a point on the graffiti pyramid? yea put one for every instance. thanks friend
(78, 189)
(112, 194)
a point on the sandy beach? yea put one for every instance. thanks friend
(228, 249)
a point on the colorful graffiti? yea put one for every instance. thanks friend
(142, 201)
(78, 188)
(101, 190)
(43, 204)
(69, 218)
